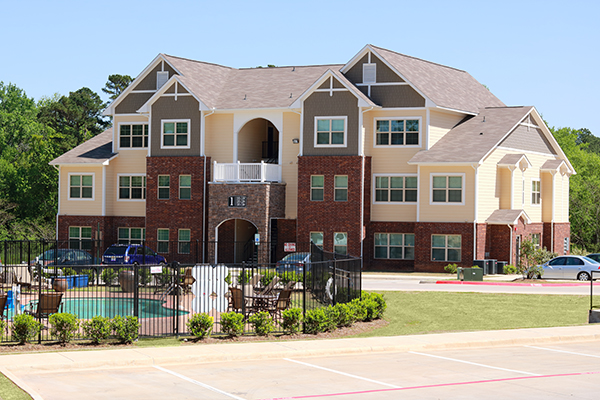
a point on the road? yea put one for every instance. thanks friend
(392, 282)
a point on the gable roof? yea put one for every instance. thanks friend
(445, 86)
(507, 217)
(97, 150)
(472, 140)
(511, 160)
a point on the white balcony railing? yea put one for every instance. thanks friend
(246, 172)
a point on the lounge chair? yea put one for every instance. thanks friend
(48, 303)
(290, 285)
(236, 301)
(269, 288)
(282, 303)
(255, 281)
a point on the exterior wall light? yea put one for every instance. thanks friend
(295, 140)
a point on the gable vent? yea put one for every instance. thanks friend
(369, 73)
(161, 78)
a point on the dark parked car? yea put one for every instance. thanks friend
(65, 257)
(294, 262)
(131, 254)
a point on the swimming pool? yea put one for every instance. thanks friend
(88, 308)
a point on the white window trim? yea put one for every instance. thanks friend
(317, 188)
(119, 187)
(388, 245)
(393, 146)
(366, 66)
(341, 188)
(118, 138)
(179, 187)
(162, 133)
(445, 248)
(158, 241)
(322, 235)
(334, 245)
(345, 118)
(93, 174)
(531, 189)
(129, 239)
(447, 203)
(160, 74)
(158, 187)
(394, 203)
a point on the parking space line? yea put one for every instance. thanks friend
(477, 364)
(195, 382)
(564, 351)
(439, 385)
(343, 373)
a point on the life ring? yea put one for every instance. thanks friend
(328, 286)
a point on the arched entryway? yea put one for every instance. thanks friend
(235, 241)
(258, 140)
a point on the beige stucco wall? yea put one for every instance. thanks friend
(129, 162)
(446, 212)
(440, 123)
(250, 140)
(289, 162)
(219, 137)
(80, 206)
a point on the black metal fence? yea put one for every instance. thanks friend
(164, 297)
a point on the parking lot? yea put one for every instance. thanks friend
(547, 370)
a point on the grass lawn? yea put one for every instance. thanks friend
(413, 313)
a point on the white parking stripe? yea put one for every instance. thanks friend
(564, 351)
(472, 363)
(195, 382)
(343, 373)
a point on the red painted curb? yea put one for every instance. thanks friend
(512, 283)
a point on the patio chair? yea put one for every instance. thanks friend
(269, 288)
(48, 303)
(282, 303)
(188, 281)
(255, 281)
(236, 301)
(290, 285)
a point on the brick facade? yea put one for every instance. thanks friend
(330, 216)
(370, 263)
(423, 233)
(561, 231)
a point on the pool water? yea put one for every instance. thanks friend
(110, 307)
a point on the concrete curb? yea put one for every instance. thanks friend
(140, 357)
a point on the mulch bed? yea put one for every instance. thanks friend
(357, 328)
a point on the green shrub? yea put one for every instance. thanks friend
(267, 277)
(244, 277)
(126, 329)
(332, 318)
(68, 271)
(232, 323)
(108, 276)
(200, 325)
(97, 329)
(510, 269)
(25, 328)
(144, 276)
(346, 314)
(359, 309)
(476, 266)
(379, 300)
(289, 276)
(2, 328)
(164, 278)
(451, 268)
(315, 321)
(262, 322)
(228, 278)
(291, 320)
(371, 307)
(64, 326)
(91, 273)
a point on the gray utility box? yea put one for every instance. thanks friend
(489, 266)
(500, 267)
(470, 274)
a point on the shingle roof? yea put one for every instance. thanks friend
(511, 159)
(445, 86)
(552, 164)
(506, 217)
(94, 151)
(470, 141)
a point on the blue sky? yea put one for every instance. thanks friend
(541, 53)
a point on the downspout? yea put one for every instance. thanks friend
(362, 180)
(58, 205)
(511, 245)
(552, 219)
(476, 168)
(203, 128)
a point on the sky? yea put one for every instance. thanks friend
(540, 53)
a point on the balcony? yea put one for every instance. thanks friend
(246, 172)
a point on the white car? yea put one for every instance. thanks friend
(570, 267)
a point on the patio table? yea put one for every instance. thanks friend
(262, 302)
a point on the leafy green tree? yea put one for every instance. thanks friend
(588, 141)
(116, 84)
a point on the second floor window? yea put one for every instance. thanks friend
(163, 187)
(81, 187)
(341, 188)
(330, 131)
(163, 240)
(317, 187)
(397, 132)
(447, 189)
(185, 187)
(132, 187)
(395, 189)
(536, 192)
(176, 134)
(184, 241)
(133, 135)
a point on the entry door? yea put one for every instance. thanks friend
(518, 250)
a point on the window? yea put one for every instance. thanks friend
(132, 187)
(161, 78)
(340, 242)
(395, 246)
(536, 192)
(185, 187)
(536, 239)
(176, 134)
(81, 186)
(369, 73)
(163, 187)
(133, 135)
(132, 235)
(395, 189)
(447, 189)
(163, 241)
(317, 238)
(330, 131)
(184, 241)
(341, 187)
(317, 183)
(80, 237)
(445, 247)
(397, 132)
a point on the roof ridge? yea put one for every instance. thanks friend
(292, 66)
(419, 59)
(492, 107)
(199, 62)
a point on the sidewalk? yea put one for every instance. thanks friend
(195, 354)
(433, 277)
